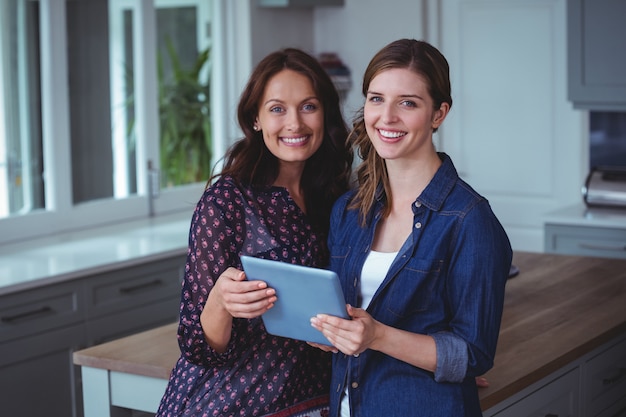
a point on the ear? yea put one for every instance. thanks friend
(440, 115)
(256, 126)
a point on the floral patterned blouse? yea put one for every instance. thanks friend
(258, 374)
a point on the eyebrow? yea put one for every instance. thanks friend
(402, 95)
(282, 101)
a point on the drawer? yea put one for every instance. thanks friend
(586, 241)
(133, 287)
(558, 397)
(128, 322)
(31, 312)
(616, 410)
(604, 378)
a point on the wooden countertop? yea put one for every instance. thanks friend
(556, 310)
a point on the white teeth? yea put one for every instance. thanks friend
(294, 140)
(389, 134)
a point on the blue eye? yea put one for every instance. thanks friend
(408, 103)
(276, 109)
(375, 99)
(309, 107)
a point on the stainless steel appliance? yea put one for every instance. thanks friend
(605, 187)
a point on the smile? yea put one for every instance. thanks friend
(390, 135)
(294, 141)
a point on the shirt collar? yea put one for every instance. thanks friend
(439, 187)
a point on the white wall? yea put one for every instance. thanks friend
(359, 29)
(276, 27)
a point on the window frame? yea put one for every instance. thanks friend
(230, 30)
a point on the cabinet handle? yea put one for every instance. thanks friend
(552, 415)
(618, 247)
(43, 311)
(615, 378)
(140, 287)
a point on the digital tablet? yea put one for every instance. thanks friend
(302, 292)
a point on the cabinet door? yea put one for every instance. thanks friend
(559, 397)
(604, 380)
(597, 54)
(37, 375)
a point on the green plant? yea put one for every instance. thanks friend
(184, 113)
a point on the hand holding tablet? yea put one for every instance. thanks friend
(302, 292)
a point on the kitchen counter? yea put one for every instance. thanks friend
(582, 231)
(556, 310)
(73, 255)
(581, 215)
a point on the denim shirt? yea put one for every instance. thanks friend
(447, 281)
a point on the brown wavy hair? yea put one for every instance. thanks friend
(426, 61)
(327, 172)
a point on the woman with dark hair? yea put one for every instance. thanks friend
(422, 258)
(271, 200)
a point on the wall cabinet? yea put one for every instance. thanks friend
(41, 328)
(592, 386)
(597, 54)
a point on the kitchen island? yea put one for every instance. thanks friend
(563, 332)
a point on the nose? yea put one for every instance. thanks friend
(388, 113)
(294, 121)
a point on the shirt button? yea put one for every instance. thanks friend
(418, 204)
(355, 385)
(418, 225)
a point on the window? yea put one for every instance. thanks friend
(21, 164)
(83, 89)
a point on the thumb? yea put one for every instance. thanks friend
(355, 312)
(234, 274)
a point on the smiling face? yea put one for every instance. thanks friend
(291, 118)
(399, 115)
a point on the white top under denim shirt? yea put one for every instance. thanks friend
(374, 271)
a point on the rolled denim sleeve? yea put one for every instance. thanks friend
(452, 357)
